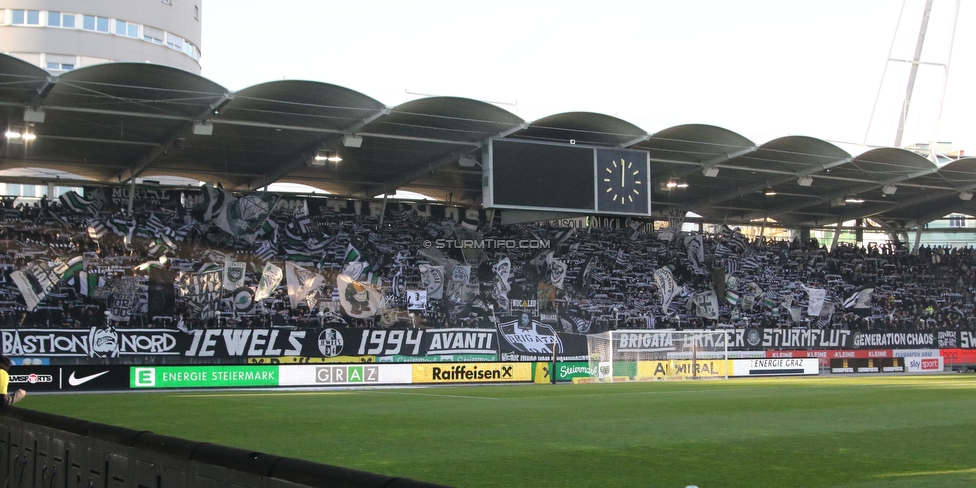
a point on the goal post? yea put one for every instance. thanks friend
(649, 355)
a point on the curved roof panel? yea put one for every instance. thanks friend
(582, 128)
(300, 104)
(445, 118)
(113, 122)
(20, 80)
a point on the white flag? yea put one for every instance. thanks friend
(432, 277)
(270, 278)
(817, 296)
(300, 283)
(557, 271)
(37, 279)
(234, 275)
(667, 286)
(706, 304)
(358, 299)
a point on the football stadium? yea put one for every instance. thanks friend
(297, 285)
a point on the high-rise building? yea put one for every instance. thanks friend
(61, 35)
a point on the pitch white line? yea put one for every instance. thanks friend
(435, 395)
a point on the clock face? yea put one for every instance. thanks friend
(622, 182)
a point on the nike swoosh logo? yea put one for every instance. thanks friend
(84, 379)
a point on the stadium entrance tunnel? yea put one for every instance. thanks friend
(39, 449)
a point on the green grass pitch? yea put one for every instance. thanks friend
(900, 431)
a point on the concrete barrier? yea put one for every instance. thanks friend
(42, 450)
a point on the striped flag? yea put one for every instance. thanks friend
(78, 204)
(265, 251)
(676, 218)
(301, 219)
(732, 264)
(96, 229)
(157, 226)
(750, 263)
(75, 266)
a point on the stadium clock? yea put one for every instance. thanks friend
(622, 181)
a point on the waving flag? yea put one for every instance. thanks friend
(358, 299)
(37, 279)
(817, 296)
(667, 286)
(300, 282)
(270, 278)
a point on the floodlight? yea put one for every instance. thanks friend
(350, 140)
(33, 115)
(202, 129)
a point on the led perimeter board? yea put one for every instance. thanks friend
(566, 177)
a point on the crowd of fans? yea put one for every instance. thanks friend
(582, 280)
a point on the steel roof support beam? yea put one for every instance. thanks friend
(908, 203)
(147, 159)
(43, 91)
(760, 185)
(839, 194)
(391, 186)
(283, 168)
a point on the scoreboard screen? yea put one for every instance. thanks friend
(566, 177)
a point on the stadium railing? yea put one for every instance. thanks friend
(39, 449)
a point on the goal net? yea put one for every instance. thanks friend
(647, 355)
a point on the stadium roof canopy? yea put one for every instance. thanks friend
(110, 123)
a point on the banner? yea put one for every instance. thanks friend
(683, 369)
(94, 342)
(416, 299)
(300, 283)
(706, 305)
(526, 335)
(123, 299)
(921, 340)
(161, 292)
(37, 279)
(69, 378)
(202, 292)
(270, 278)
(571, 347)
(472, 373)
(432, 278)
(203, 376)
(666, 285)
(340, 375)
(119, 196)
(695, 248)
(244, 217)
(358, 299)
(817, 296)
(234, 275)
(457, 286)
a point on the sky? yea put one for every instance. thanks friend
(763, 69)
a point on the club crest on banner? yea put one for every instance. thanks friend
(234, 275)
(330, 343)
